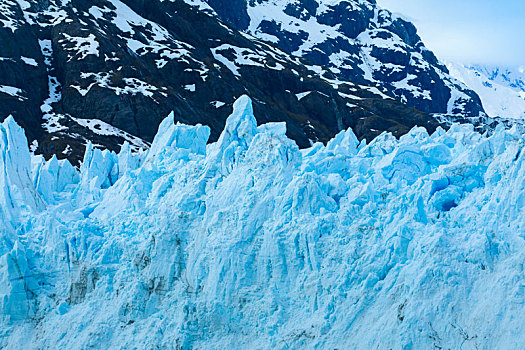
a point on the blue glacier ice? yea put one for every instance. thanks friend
(252, 243)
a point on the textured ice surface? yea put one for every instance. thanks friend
(251, 243)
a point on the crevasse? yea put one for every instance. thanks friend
(251, 243)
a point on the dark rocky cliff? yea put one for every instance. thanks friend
(108, 71)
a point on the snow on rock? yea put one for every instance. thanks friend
(8, 18)
(501, 91)
(29, 61)
(100, 127)
(13, 91)
(79, 47)
(51, 119)
(302, 95)
(243, 57)
(132, 86)
(357, 41)
(251, 243)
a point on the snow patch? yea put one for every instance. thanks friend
(29, 61)
(79, 48)
(100, 127)
(13, 91)
(302, 95)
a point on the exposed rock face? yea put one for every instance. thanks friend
(360, 42)
(109, 71)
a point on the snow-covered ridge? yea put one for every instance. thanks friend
(502, 91)
(250, 242)
(359, 41)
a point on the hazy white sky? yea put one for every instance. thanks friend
(469, 31)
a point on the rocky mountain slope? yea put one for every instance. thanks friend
(111, 70)
(252, 243)
(502, 90)
(358, 41)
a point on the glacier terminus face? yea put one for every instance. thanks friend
(252, 243)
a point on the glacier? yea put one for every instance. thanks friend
(253, 243)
